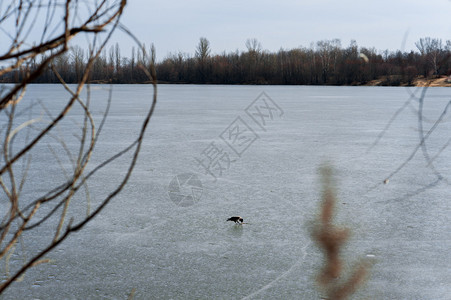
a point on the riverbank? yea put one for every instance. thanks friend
(394, 80)
(442, 81)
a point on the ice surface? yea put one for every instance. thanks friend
(145, 240)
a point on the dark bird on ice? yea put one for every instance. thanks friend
(237, 220)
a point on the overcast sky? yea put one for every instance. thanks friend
(177, 25)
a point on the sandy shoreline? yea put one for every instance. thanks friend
(419, 81)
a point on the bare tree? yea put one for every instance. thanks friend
(252, 58)
(328, 53)
(433, 52)
(203, 49)
(117, 58)
(78, 55)
(203, 54)
(253, 45)
(48, 210)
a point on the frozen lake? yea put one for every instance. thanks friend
(255, 155)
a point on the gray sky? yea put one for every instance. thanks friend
(177, 25)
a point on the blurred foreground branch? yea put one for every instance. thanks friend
(331, 240)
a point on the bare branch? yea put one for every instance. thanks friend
(57, 198)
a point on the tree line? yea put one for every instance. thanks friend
(324, 62)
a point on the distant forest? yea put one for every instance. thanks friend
(323, 63)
